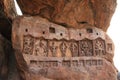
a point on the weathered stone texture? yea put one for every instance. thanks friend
(7, 14)
(7, 9)
(3, 59)
(72, 13)
(65, 45)
(8, 69)
(51, 51)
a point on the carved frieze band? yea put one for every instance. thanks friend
(67, 63)
(63, 48)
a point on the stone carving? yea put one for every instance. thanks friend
(88, 62)
(66, 63)
(53, 49)
(33, 62)
(43, 64)
(94, 62)
(99, 47)
(81, 63)
(86, 48)
(74, 63)
(49, 48)
(40, 47)
(109, 47)
(74, 49)
(63, 48)
(28, 42)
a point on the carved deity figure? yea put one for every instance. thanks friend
(99, 47)
(86, 48)
(28, 44)
(53, 49)
(74, 49)
(63, 48)
(40, 48)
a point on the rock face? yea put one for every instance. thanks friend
(3, 59)
(66, 45)
(7, 14)
(72, 13)
(47, 51)
(8, 70)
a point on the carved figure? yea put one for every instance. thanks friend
(74, 49)
(88, 62)
(53, 49)
(99, 47)
(28, 44)
(40, 48)
(75, 63)
(86, 48)
(66, 63)
(63, 48)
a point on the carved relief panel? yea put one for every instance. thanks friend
(61, 46)
(40, 47)
(53, 48)
(74, 48)
(28, 42)
(85, 47)
(99, 47)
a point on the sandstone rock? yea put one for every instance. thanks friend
(3, 60)
(45, 50)
(7, 9)
(72, 13)
(8, 69)
(7, 13)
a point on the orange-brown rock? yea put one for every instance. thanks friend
(7, 9)
(72, 13)
(47, 51)
(8, 69)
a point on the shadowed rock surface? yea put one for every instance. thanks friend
(7, 14)
(8, 70)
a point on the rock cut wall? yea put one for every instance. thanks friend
(49, 49)
(67, 47)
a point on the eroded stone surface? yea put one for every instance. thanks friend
(54, 52)
(7, 14)
(72, 13)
